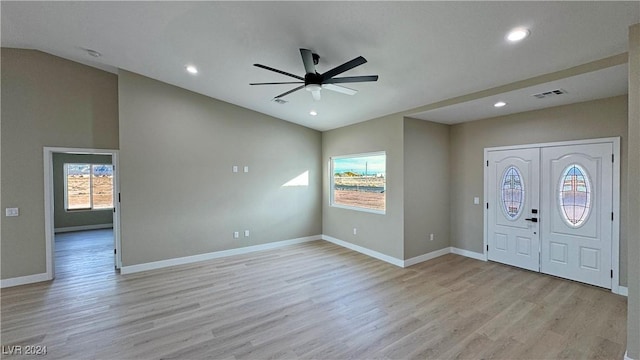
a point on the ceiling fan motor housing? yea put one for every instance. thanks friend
(312, 79)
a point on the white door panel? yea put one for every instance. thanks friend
(576, 224)
(513, 194)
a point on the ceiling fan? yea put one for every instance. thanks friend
(314, 82)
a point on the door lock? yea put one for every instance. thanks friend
(532, 220)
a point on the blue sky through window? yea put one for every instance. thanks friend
(365, 165)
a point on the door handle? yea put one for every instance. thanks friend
(532, 220)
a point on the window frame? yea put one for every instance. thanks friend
(332, 202)
(91, 207)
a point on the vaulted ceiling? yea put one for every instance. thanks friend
(425, 53)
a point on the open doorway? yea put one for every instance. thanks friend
(81, 211)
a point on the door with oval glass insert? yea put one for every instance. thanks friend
(577, 193)
(513, 197)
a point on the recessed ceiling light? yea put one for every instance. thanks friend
(500, 104)
(518, 34)
(313, 113)
(191, 69)
(93, 53)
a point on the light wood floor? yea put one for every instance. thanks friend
(316, 300)
(84, 253)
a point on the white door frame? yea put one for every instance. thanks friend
(615, 236)
(49, 229)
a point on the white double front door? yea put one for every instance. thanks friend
(550, 209)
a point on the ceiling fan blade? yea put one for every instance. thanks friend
(351, 79)
(279, 71)
(278, 83)
(344, 67)
(289, 92)
(307, 59)
(340, 89)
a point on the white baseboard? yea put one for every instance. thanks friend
(428, 256)
(627, 357)
(363, 250)
(467, 253)
(622, 290)
(83, 227)
(213, 255)
(408, 262)
(23, 280)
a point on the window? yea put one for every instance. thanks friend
(575, 195)
(88, 186)
(359, 182)
(512, 192)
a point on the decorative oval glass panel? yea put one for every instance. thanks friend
(512, 192)
(575, 195)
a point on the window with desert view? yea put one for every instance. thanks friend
(359, 181)
(88, 186)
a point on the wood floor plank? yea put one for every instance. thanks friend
(308, 301)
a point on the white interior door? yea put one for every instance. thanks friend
(513, 199)
(577, 212)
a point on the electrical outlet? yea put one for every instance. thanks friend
(246, 233)
(246, 169)
(431, 237)
(236, 234)
(12, 212)
(234, 168)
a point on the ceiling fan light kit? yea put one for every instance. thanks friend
(314, 82)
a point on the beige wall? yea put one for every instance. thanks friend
(633, 196)
(426, 187)
(179, 195)
(381, 233)
(594, 119)
(63, 218)
(46, 101)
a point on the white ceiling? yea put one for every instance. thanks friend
(424, 52)
(599, 84)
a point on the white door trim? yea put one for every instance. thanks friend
(615, 236)
(48, 202)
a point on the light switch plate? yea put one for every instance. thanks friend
(476, 201)
(246, 169)
(246, 233)
(234, 168)
(12, 212)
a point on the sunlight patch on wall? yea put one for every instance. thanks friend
(300, 180)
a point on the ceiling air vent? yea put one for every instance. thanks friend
(547, 94)
(279, 101)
